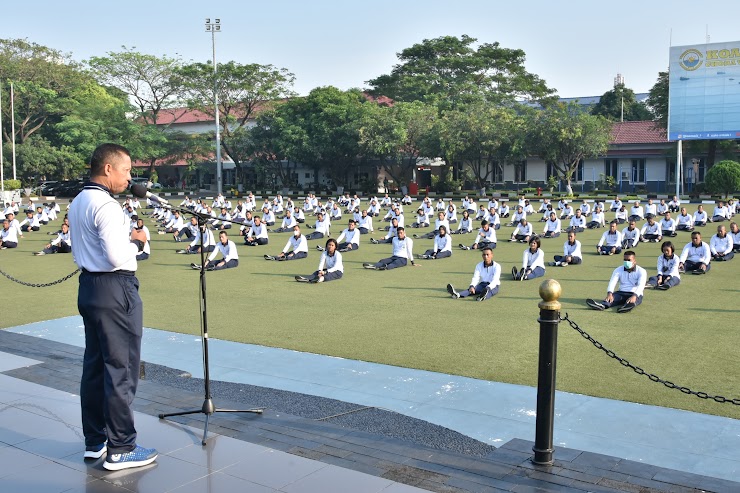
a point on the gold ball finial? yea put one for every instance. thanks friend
(550, 292)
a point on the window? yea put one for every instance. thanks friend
(579, 171)
(498, 172)
(670, 171)
(551, 171)
(611, 168)
(307, 175)
(520, 172)
(638, 171)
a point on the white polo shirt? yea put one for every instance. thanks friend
(100, 232)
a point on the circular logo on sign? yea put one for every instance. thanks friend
(690, 59)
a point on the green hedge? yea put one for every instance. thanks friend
(12, 184)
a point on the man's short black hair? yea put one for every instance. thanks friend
(629, 253)
(105, 153)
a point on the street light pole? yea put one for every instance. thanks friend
(214, 27)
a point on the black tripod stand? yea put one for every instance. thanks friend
(208, 407)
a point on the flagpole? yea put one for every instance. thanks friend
(2, 167)
(12, 123)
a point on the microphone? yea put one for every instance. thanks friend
(141, 192)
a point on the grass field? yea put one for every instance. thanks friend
(405, 317)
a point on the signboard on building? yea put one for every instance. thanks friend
(704, 91)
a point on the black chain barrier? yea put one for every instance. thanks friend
(640, 371)
(39, 285)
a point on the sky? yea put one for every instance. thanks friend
(576, 46)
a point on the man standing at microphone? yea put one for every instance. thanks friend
(112, 311)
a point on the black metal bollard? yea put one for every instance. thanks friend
(550, 292)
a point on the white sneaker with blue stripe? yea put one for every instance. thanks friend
(138, 457)
(95, 451)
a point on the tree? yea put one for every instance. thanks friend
(397, 135)
(563, 136)
(612, 103)
(657, 100)
(36, 156)
(96, 115)
(154, 87)
(322, 131)
(723, 177)
(242, 91)
(449, 71)
(43, 81)
(152, 82)
(480, 136)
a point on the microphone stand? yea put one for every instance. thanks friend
(208, 408)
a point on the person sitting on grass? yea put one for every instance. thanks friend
(668, 275)
(442, 246)
(567, 211)
(616, 204)
(597, 219)
(519, 214)
(651, 231)
(700, 216)
(585, 209)
(365, 223)
(695, 256)
(174, 225)
(257, 233)
(486, 279)
(674, 204)
(630, 236)
(637, 213)
(330, 266)
(402, 252)
(295, 249)
(486, 238)
(8, 236)
(523, 233)
(721, 213)
(438, 223)
(223, 220)
(392, 232)
(735, 235)
(577, 223)
(144, 246)
(721, 245)
(422, 220)
(533, 263)
(611, 241)
(571, 252)
(321, 227)
(631, 279)
(465, 225)
(30, 223)
(268, 217)
(552, 227)
(351, 237)
(208, 241)
(451, 214)
(620, 215)
(651, 209)
(684, 221)
(288, 223)
(483, 213)
(668, 225)
(61, 244)
(227, 248)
